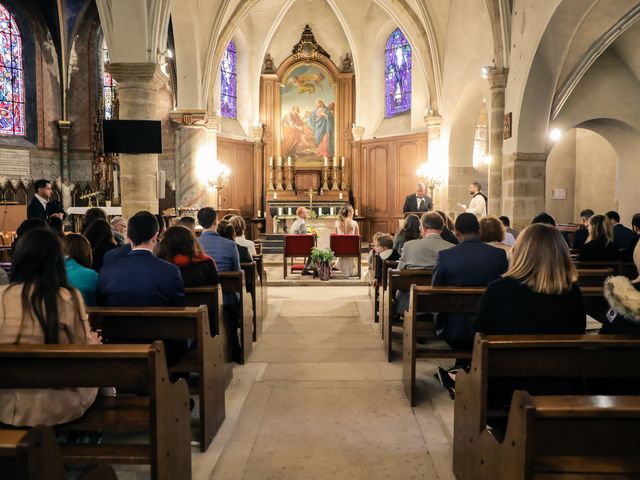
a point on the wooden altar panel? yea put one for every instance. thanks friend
(238, 156)
(387, 176)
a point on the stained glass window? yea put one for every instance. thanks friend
(398, 74)
(109, 85)
(228, 83)
(11, 77)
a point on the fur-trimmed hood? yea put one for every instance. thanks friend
(623, 297)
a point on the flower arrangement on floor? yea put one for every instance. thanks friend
(322, 258)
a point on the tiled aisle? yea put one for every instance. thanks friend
(319, 401)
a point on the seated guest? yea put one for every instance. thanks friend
(239, 225)
(42, 312)
(447, 230)
(507, 228)
(622, 236)
(187, 222)
(627, 255)
(223, 251)
(469, 264)
(492, 233)
(26, 226)
(117, 253)
(383, 251)
(100, 237)
(77, 262)
(180, 247)
(623, 296)
(423, 252)
(56, 226)
(582, 234)
(93, 213)
(544, 218)
(226, 230)
(299, 227)
(119, 227)
(600, 247)
(538, 294)
(162, 225)
(410, 231)
(370, 275)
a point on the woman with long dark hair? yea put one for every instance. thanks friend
(180, 247)
(410, 231)
(39, 306)
(100, 236)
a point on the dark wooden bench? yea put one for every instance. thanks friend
(262, 273)
(161, 408)
(594, 277)
(386, 266)
(255, 291)
(176, 323)
(626, 269)
(211, 297)
(234, 283)
(398, 281)
(454, 300)
(549, 433)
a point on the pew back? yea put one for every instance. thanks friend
(233, 283)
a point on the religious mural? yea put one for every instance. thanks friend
(307, 103)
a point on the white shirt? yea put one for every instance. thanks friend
(478, 206)
(509, 239)
(243, 241)
(42, 200)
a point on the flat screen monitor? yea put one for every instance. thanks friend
(132, 136)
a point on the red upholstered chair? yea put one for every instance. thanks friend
(297, 246)
(347, 246)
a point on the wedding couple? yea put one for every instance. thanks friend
(345, 225)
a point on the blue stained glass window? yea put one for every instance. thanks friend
(398, 74)
(11, 76)
(109, 85)
(228, 83)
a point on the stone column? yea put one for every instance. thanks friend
(524, 187)
(138, 88)
(356, 167)
(435, 158)
(191, 137)
(498, 81)
(64, 127)
(258, 168)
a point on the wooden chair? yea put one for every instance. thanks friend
(34, 455)
(347, 246)
(297, 246)
(398, 281)
(254, 287)
(234, 283)
(557, 436)
(162, 411)
(176, 323)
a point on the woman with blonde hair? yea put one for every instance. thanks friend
(599, 246)
(345, 225)
(623, 296)
(538, 293)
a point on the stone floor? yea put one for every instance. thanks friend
(319, 401)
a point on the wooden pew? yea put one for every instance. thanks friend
(233, 283)
(163, 411)
(594, 277)
(627, 269)
(455, 300)
(176, 323)
(211, 297)
(373, 291)
(262, 273)
(398, 281)
(559, 436)
(386, 265)
(255, 291)
(34, 455)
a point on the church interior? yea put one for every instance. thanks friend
(325, 134)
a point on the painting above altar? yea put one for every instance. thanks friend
(307, 104)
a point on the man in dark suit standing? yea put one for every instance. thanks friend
(37, 208)
(622, 236)
(419, 201)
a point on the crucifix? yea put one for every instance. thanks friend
(311, 192)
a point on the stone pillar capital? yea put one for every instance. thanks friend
(358, 133)
(213, 123)
(139, 73)
(188, 118)
(257, 132)
(498, 78)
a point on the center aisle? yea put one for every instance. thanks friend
(318, 401)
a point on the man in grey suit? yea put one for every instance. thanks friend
(422, 253)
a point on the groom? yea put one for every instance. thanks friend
(419, 201)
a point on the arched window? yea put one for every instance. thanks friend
(109, 85)
(398, 74)
(228, 83)
(11, 77)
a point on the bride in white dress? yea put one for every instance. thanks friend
(345, 225)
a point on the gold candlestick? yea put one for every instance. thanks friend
(289, 178)
(270, 187)
(279, 181)
(325, 177)
(334, 178)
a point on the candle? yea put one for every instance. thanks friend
(356, 212)
(275, 195)
(259, 213)
(353, 125)
(326, 162)
(271, 161)
(340, 195)
(320, 211)
(335, 161)
(279, 161)
(332, 211)
(342, 162)
(289, 211)
(279, 210)
(116, 190)
(288, 161)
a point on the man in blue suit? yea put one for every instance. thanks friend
(469, 264)
(140, 279)
(223, 251)
(623, 237)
